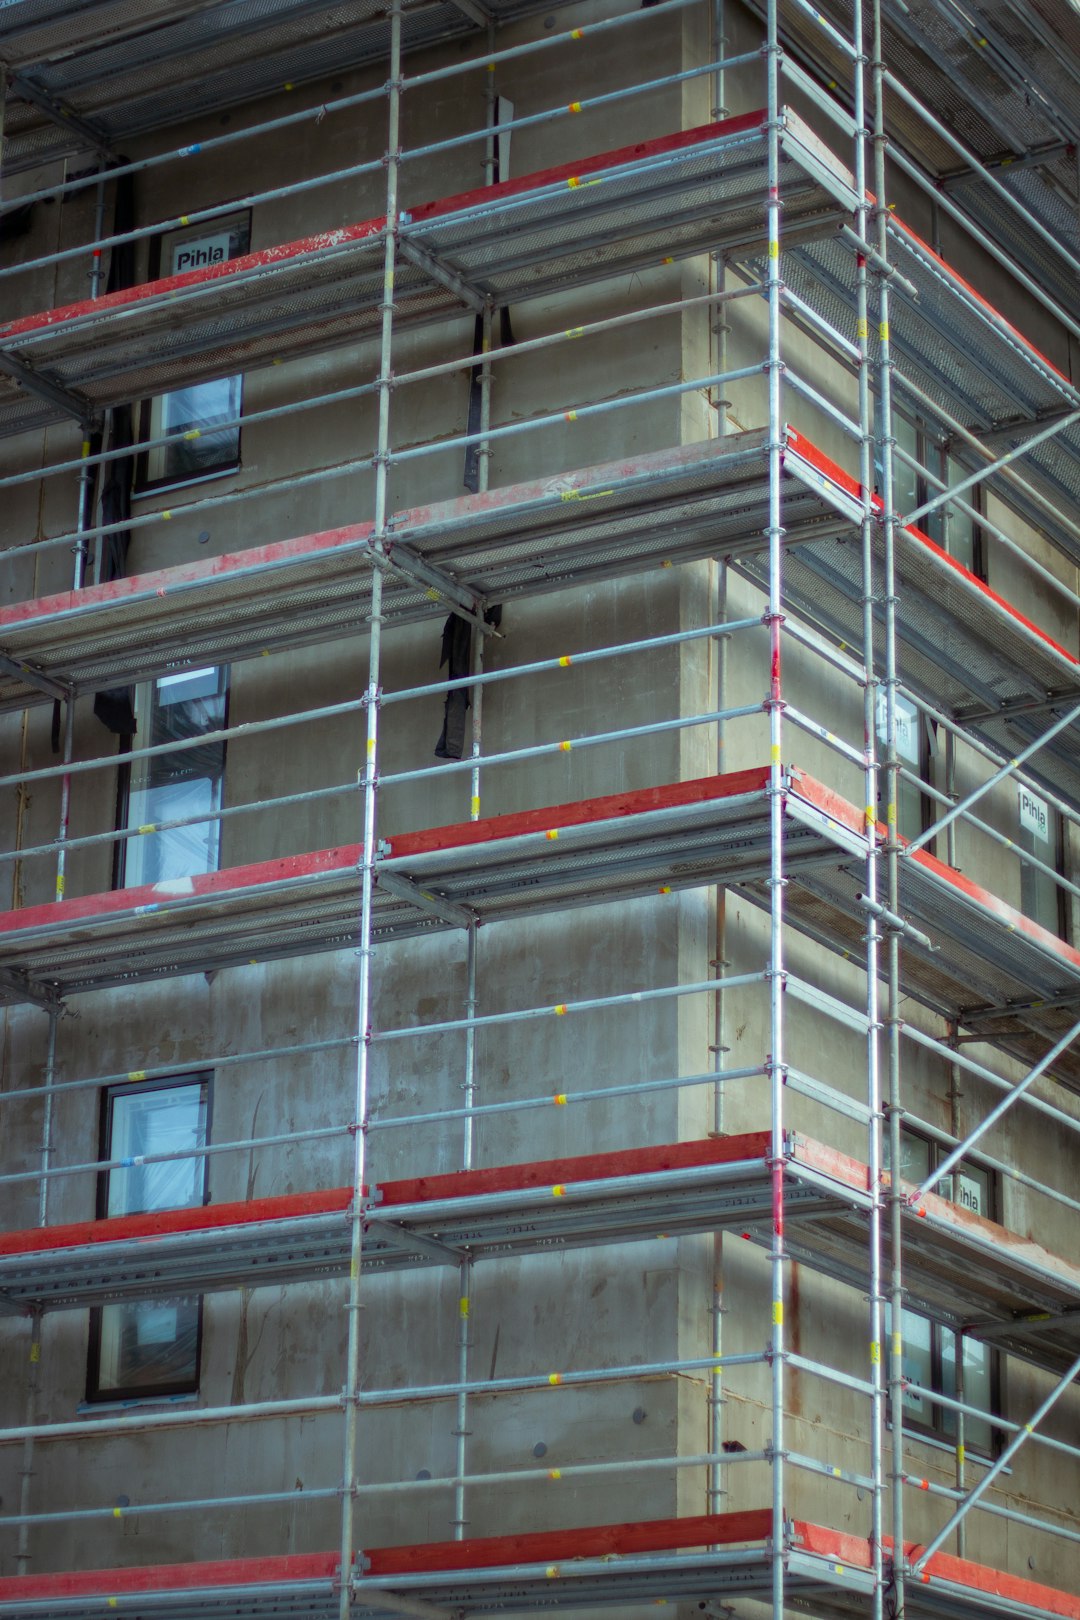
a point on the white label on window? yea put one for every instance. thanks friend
(1034, 815)
(201, 251)
(967, 1192)
(907, 726)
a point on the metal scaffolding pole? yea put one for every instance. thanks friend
(892, 884)
(370, 787)
(774, 706)
(871, 781)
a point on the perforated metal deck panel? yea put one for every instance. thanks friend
(501, 1211)
(965, 355)
(125, 67)
(959, 1268)
(960, 645)
(696, 191)
(990, 968)
(965, 64)
(827, 1573)
(623, 517)
(613, 848)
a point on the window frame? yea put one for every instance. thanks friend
(144, 483)
(95, 1395)
(935, 1429)
(124, 788)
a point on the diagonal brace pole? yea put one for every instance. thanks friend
(999, 776)
(1002, 1107)
(1002, 1463)
(992, 467)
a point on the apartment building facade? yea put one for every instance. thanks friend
(538, 661)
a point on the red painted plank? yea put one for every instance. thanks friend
(320, 863)
(166, 1222)
(280, 1570)
(536, 1547)
(329, 241)
(459, 1184)
(839, 1547)
(851, 486)
(561, 1546)
(554, 817)
(586, 1167)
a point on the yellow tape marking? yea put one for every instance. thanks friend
(474, 804)
(560, 1010)
(577, 33)
(35, 1351)
(184, 219)
(463, 1306)
(883, 331)
(86, 447)
(552, 1572)
(566, 747)
(960, 1454)
(165, 516)
(565, 662)
(558, 1191)
(774, 250)
(571, 416)
(776, 753)
(148, 827)
(778, 1313)
(559, 1099)
(573, 331)
(554, 1378)
(193, 433)
(554, 833)
(118, 1513)
(136, 1074)
(573, 106)
(59, 885)
(554, 1473)
(664, 889)
(875, 1353)
(862, 329)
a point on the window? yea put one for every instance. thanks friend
(150, 1346)
(175, 786)
(913, 733)
(930, 1348)
(952, 529)
(1040, 835)
(202, 447)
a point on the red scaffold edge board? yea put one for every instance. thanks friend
(551, 819)
(329, 241)
(539, 1547)
(457, 1184)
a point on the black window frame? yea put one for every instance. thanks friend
(143, 483)
(95, 1395)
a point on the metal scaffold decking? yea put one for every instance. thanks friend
(560, 228)
(962, 1270)
(964, 357)
(89, 77)
(624, 516)
(980, 961)
(593, 1567)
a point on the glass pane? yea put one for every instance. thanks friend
(1038, 834)
(918, 1366)
(148, 1345)
(177, 786)
(970, 1188)
(959, 529)
(149, 1123)
(194, 413)
(977, 1389)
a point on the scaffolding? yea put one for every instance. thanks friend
(804, 243)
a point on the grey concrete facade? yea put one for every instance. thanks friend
(665, 1301)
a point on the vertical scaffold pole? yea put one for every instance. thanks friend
(871, 778)
(774, 704)
(886, 441)
(370, 787)
(476, 696)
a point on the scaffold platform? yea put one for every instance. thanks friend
(696, 191)
(960, 1269)
(966, 357)
(101, 72)
(961, 646)
(643, 512)
(709, 1557)
(988, 966)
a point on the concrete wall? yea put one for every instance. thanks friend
(641, 1303)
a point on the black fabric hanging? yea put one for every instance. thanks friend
(115, 708)
(457, 642)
